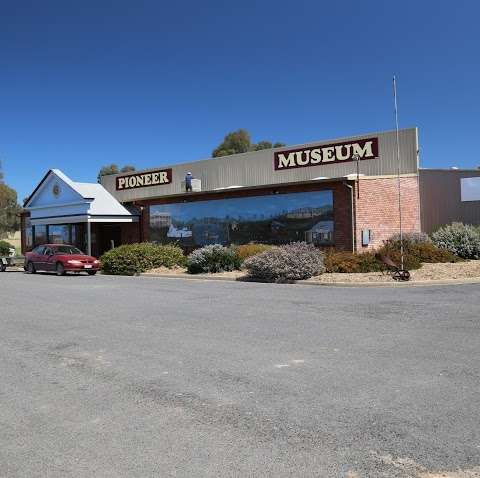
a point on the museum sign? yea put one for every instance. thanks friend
(326, 154)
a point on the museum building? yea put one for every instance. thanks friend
(340, 193)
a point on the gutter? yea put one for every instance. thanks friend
(354, 235)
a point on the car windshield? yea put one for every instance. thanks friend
(68, 250)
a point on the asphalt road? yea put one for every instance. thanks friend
(146, 377)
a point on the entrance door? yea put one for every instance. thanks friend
(109, 236)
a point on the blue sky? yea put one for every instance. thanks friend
(149, 83)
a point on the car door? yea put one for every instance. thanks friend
(49, 259)
(37, 257)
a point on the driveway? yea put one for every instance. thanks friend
(145, 377)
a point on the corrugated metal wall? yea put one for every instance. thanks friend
(257, 169)
(440, 199)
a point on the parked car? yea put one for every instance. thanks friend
(60, 258)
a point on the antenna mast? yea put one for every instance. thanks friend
(398, 172)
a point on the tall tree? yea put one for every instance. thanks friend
(240, 142)
(113, 169)
(9, 208)
(107, 170)
(235, 142)
(127, 168)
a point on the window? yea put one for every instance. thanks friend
(78, 236)
(271, 219)
(40, 233)
(470, 189)
(39, 250)
(28, 234)
(68, 250)
(59, 234)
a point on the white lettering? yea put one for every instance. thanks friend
(328, 154)
(316, 156)
(132, 181)
(148, 179)
(163, 177)
(286, 162)
(338, 152)
(140, 180)
(121, 183)
(365, 152)
(303, 162)
(155, 178)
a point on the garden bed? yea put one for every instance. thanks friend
(440, 271)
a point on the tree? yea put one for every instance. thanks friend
(127, 168)
(235, 142)
(113, 169)
(239, 142)
(9, 210)
(107, 170)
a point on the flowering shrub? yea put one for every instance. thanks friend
(410, 238)
(460, 239)
(131, 259)
(290, 262)
(212, 258)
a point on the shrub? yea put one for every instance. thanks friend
(344, 261)
(285, 263)
(212, 258)
(131, 259)
(411, 238)
(248, 250)
(5, 248)
(460, 239)
(410, 261)
(415, 252)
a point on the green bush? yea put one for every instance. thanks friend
(286, 263)
(213, 258)
(131, 259)
(460, 239)
(346, 262)
(248, 250)
(417, 251)
(5, 248)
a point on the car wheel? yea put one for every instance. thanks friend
(60, 269)
(3, 267)
(31, 268)
(91, 273)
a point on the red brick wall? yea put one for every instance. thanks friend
(377, 208)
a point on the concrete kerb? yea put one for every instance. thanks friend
(325, 284)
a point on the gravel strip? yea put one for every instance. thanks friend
(459, 270)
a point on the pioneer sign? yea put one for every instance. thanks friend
(142, 180)
(326, 154)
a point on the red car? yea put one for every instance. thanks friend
(60, 258)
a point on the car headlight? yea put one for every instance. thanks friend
(74, 262)
(96, 262)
